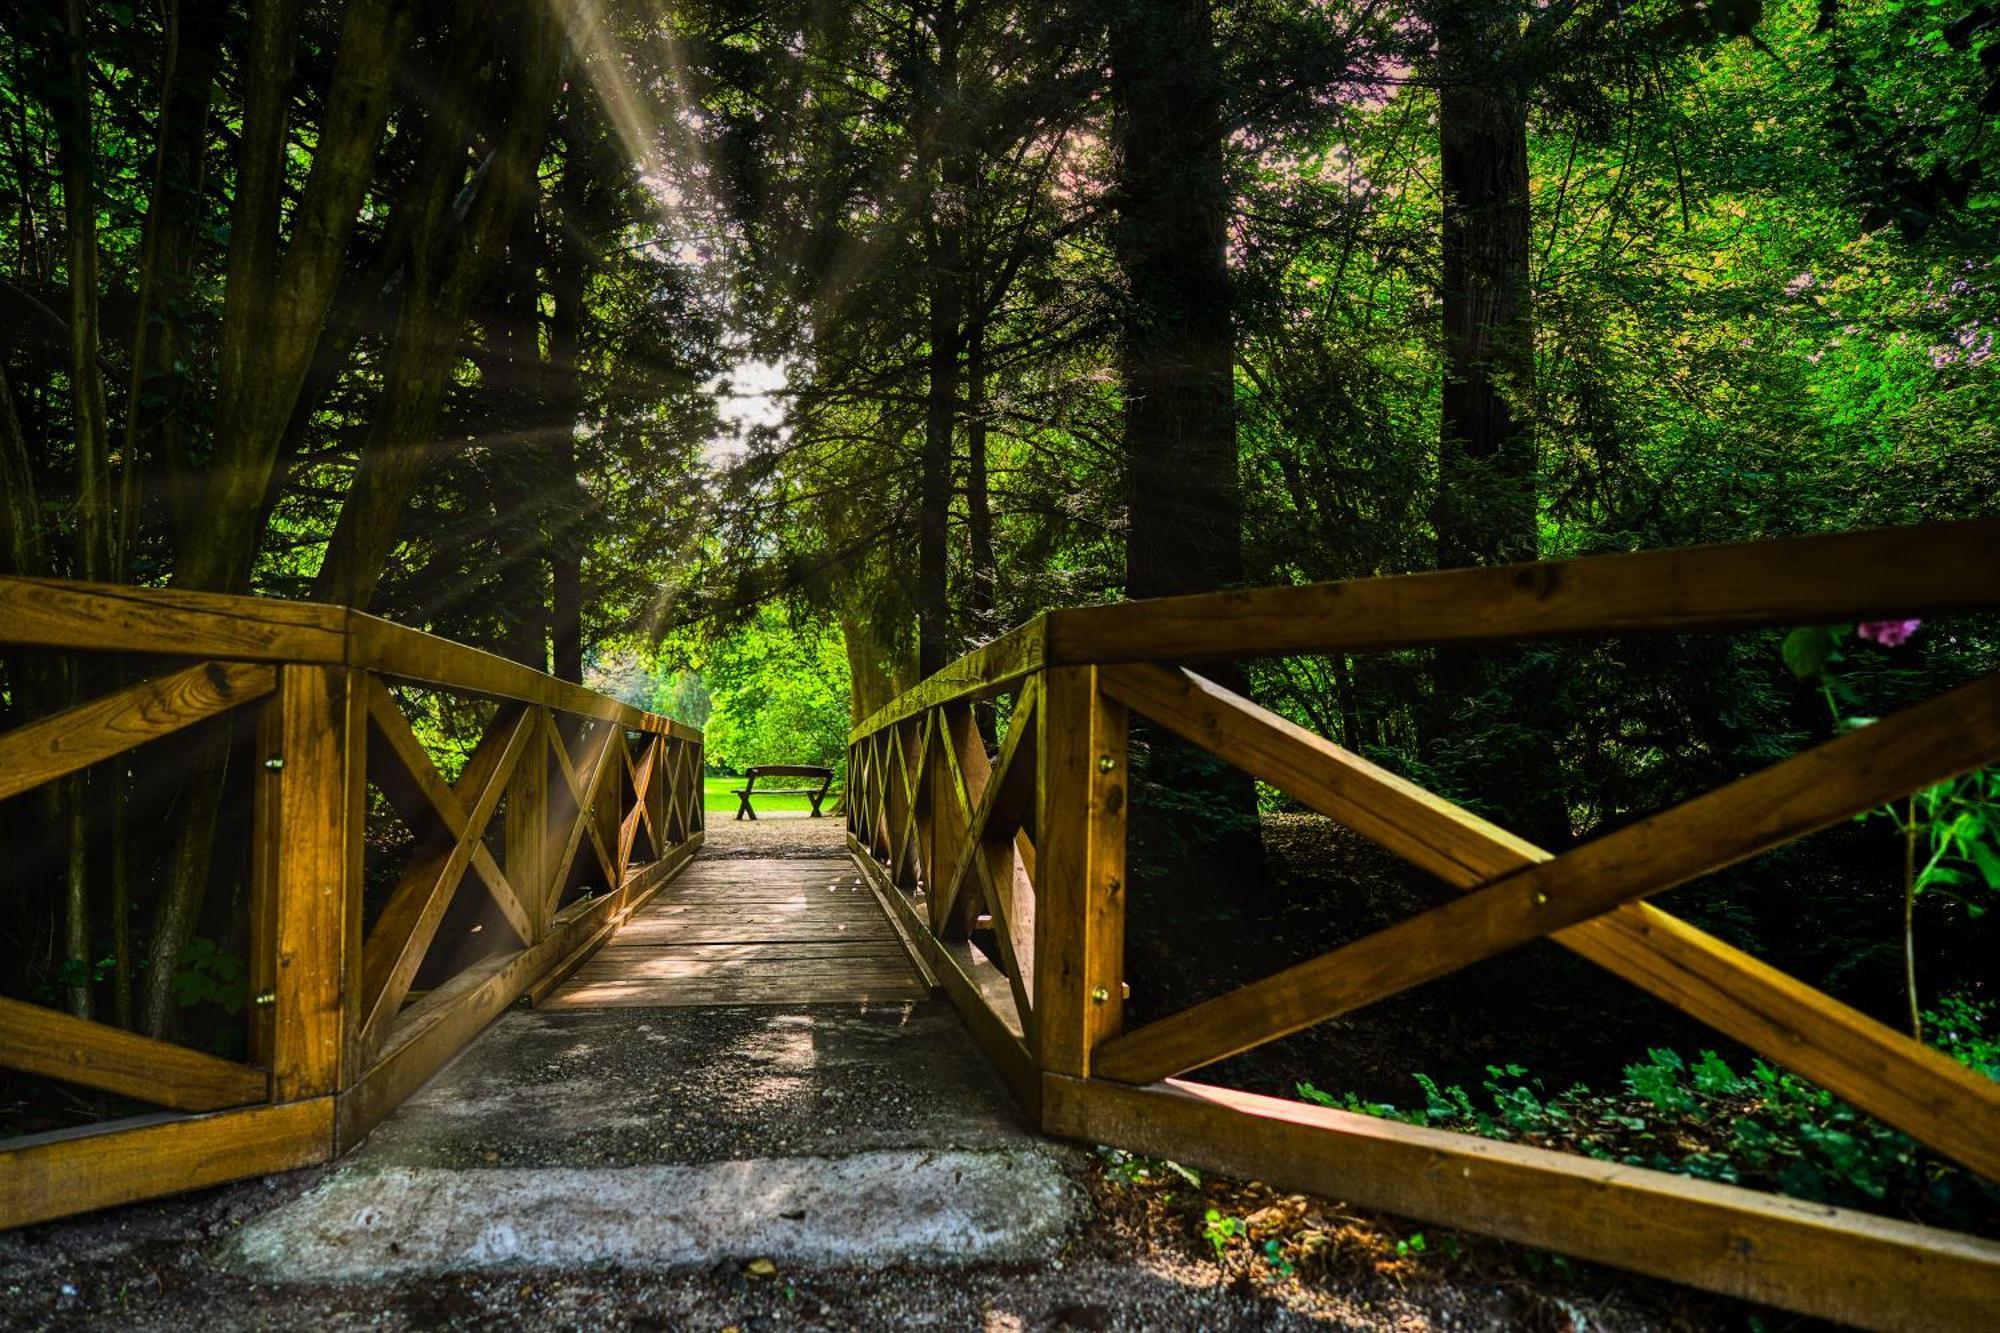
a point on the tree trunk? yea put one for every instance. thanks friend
(945, 299)
(273, 308)
(1195, 833)
(452, 252)
(157, 401)
(985, 591)
(1486, 447)
(1486, 498)
(513, 380)
(566, 530)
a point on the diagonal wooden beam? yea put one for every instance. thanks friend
(958, 780)
(78, 737)
(1424, 829)
(1902, 1082)
(54, 1045)
(421, 794)
(408, 922)
(1003, 800)
(583, 824)
(1915, 748)
(582, 794)
(641, 775)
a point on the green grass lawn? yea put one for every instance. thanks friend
(718, 795)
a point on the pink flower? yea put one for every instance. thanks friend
(1888, 633)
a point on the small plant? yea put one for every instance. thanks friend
(1412, 1244)
(1219, 1229)
(1281, 1267)
(208, 975)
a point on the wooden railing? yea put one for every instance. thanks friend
(942, 828)
(602, 806)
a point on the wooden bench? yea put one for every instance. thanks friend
(755, 771)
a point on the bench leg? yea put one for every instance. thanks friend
(815, 801)
(743, 809)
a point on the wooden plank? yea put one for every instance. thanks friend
(76, 738)
(527, 827)
(665, 966)
(984, 671)
(958, 781)
(642, 887)
(106, 617)
(59, 1175)
(1854, 1267)
(55, 1045)
(419, 790)
(1424, 829)
(1854, 772)
(622, 994)
(1080, 869)
(888, 946)
(1000, 804)
(1925, 1094)
(310, 813)
(408, 654)
(581, 789)
(1913, 571)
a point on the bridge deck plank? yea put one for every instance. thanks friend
(750, 932)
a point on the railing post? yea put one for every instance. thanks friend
(527, 827)
(311, 787)
(1079, 869)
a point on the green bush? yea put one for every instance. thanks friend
(1765, 1128)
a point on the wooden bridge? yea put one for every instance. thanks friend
(577, 823)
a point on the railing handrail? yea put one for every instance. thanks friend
(115, 618)
(1925, 569)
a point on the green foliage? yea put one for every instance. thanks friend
(778, 691)
(1219, 1230)
(208, 975)
(1766, 1128)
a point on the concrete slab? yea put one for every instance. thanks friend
(673, 1138)
(901, 1206)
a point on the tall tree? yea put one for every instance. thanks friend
(1184, 506)
(1486, 445)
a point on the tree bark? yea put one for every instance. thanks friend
(945, 294)
(1486, 446)
(273, 308)
(1195, 831)
(450, 260)
(566, 529)
(157, 406)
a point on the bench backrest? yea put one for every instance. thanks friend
(755, 771)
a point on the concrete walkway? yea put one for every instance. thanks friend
(749, 1070)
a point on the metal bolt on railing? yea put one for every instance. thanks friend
(1099, 995)
(268, 997)
(1105, 763)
